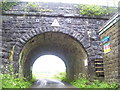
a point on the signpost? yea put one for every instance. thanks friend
(107, 48)
(106, 39)
(106, 45)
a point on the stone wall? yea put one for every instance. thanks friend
(111, 58)
(18, 29)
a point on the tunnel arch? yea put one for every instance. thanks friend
(62, 45)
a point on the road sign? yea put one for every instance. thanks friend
(106, 39)
(55, 23)
(107, 48)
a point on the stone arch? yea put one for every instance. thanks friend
(78, 47)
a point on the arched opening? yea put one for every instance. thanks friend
(65, 47)
(48, 66)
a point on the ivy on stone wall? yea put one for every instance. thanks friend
(94, 10)
(34, 7)
(8, 5)
(31, 6)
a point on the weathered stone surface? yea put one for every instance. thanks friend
(18, 30)
(111, 60)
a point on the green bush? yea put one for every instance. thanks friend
(33, 78)
(34, 7)
(10, 81)
(84, 83)
(31, 6)
(94, 10)
(60, 76)
(8, 5)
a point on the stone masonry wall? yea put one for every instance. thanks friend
(112, 59)
(18, 28)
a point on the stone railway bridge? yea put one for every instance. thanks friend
(28, 35)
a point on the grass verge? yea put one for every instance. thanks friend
(82, 82)
(10, 81)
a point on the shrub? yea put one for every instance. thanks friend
(60, 76)
(34, 7)
(31, 6)
(10, 81)
(33, 78)
(84, 83)
(94, 10)
(8, 5)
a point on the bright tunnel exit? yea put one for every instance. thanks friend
(47, 66)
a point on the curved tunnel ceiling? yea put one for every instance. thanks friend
(61, 45)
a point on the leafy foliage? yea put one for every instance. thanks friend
(31, 6)
(60, 76)
(8, 5)
(34, 7)
(84, 83)
(10, 81)
(33, 78)
(94, 10)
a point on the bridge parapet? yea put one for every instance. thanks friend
(50, 9)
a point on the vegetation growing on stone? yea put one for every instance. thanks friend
(31, 6)
(94, 10)
(8, 5)
(34, 7)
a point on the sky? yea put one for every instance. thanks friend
(98, 2)
(49, 65)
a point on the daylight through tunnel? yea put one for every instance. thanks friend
(48, 67)
(65, 47)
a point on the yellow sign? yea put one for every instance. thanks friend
(107, 48)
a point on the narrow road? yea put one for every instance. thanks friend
(50, 83)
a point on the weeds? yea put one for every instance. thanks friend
(94, 10)
(84, 83)
(60, 76)
(10, 81)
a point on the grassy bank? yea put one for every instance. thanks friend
(10, 81)
(82, 82)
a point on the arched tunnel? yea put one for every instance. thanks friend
(64, 46)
